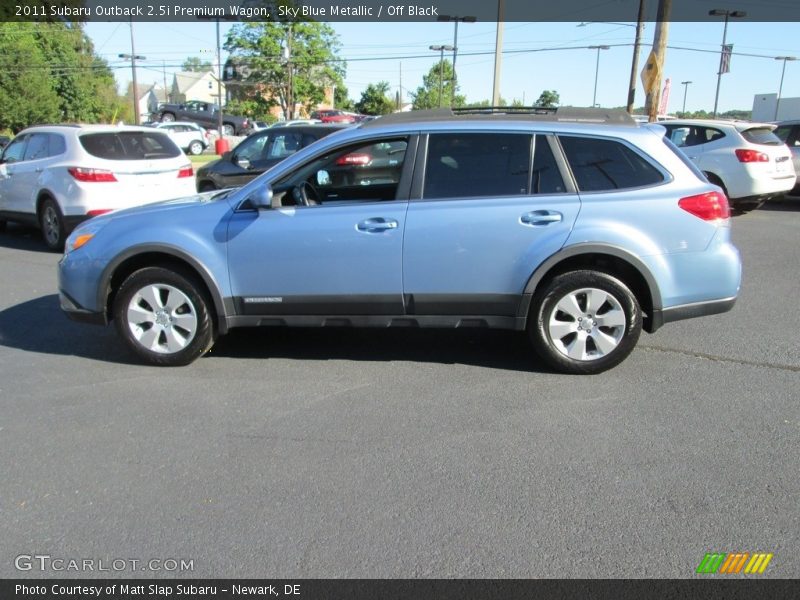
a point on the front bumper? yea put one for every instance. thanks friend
(76, 312)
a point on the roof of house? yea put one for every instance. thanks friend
(186, 79)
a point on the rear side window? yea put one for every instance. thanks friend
(603, 165)
(37, 147)
(464, 165)
(761, 135)
(129, 145)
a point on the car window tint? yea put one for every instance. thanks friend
(130, 145)
(252, 148)
(783, 133)
(15, 150)
(57, 144)
(37, 147)
(600, 165)
(463, 165)
(761, 135)
(712, 135)
(546, 178)
(283, 145)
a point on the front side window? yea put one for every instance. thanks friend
(603, 165)
(15, 151)
(360, 173)
(463, 165)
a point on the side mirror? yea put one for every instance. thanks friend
(242, 162)
(227, 155)
(262, 198)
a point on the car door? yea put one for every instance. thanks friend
(13, 155)
(27, 173)
(341, 255)
(488, 208)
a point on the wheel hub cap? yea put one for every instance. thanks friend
(586, 324)
(162, 318)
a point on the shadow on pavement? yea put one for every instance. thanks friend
(39, 326)
(783, 204)
(20, 237)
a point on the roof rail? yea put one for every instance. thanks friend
(566, 114)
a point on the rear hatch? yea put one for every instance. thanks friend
(764, 153)
(141, 162)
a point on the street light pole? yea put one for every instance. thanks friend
(685, 85)
(456, 20)
(597, 70)
(717, 12)
(440, 50)
(785, 59)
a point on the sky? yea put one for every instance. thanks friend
(536, 58)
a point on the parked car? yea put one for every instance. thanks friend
(257, 153)
(333, 116)
(295, 122)
(205, 114)
(747, 160)
(55, 176)
(190, 137)
(579, 227)
(789, 133)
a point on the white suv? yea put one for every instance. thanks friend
(55, 176)
(747, 160)
(190, 137)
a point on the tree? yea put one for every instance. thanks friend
(548, 99)
(193, 63)
(427, 95)
(265, 52)
(341, 98)
(375, 100)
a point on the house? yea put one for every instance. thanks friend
(195, 85)
(148, 98)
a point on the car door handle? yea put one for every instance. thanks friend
(538, 218)
(376, 225)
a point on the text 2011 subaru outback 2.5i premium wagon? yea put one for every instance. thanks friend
(577, 226)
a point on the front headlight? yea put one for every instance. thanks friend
(83, 235)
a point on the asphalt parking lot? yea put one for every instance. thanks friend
(336, 453)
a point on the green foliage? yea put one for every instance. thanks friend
(427, 95)
(193, 63)
(251, 109)
(341, 98)
(548, 99)
(257, 50)
(738, 115)
(375, 100)
(51, 74)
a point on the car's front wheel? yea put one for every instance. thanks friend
(167, 118)
(584, 322)
(51, 222)
(196, 148)
(163, 316)
(228, 129)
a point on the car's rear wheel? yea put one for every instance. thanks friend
(196, 148)
(584, 322)
(163, 316)
(167, 118)
(228, 129)
(206, 186)
(51, 222)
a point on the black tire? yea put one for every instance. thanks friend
(546, 318)
(206, 186)
(167, 117)
(167, 323)
(228, 129)
(196, 148)
(2, 226)
(51, 223)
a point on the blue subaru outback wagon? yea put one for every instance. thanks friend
(577, 226)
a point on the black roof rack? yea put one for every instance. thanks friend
(566, 114)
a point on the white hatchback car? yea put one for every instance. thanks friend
(190, 137)
(55, 176)
(747, 160)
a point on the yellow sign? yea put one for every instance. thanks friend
(651, 74)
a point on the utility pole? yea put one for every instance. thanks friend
(164, 71)
(659, 51)
(400, 91)
(637, 43)
(290, 99)
(135, 93)
(498, 52)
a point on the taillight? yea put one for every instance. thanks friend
(709, 206)
(749, 156)
(91, 175)
(186, 171)
(354, 159)
(98, 212)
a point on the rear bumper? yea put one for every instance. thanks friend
(690, 311)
